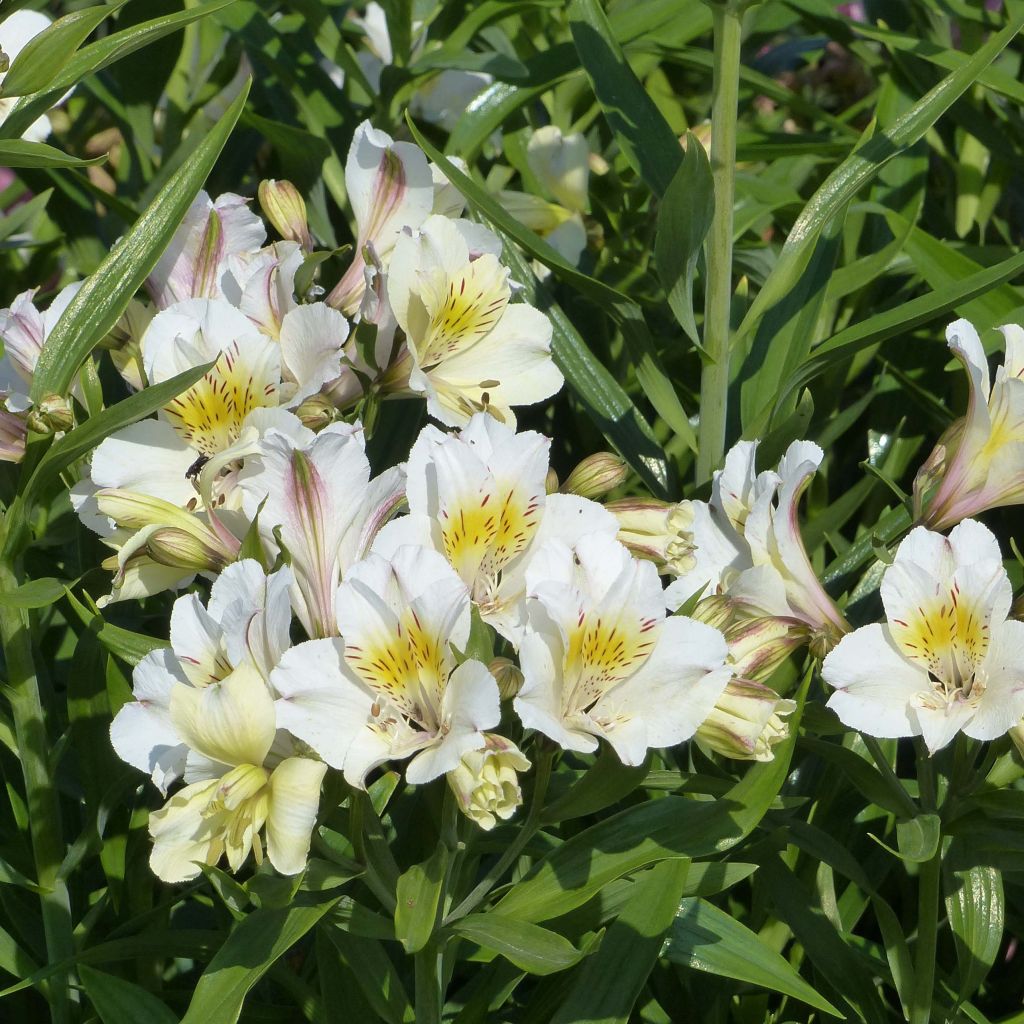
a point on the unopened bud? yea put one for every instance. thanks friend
(561, 163)
(485, 782)
(551, 481)
(758, 646)
(660, 531)
(316, 412)
(596, 476)
(180, 550)
(285, 208)
(747, 722)
(508, 677)
(51, 414)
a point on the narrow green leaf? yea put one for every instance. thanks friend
(669, 828)
(646, 141)
(34, 594)
(98, 55)
(43, 56)
(22, 153)
(684, 219)
(531, 948)
(707, 939)
(843, 184)
(417, 896)
(378, 980)
(121, 1002)
(99, 303)
(604, 784)
(129, 646)
(977, 909)
(608, 983)
(250, 950)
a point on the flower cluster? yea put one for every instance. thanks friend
(445, 613)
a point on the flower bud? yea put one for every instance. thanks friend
(747, 722)
(508, 677)
(316, 412)
(285, 208)
(596, 476)
(13, 430)
(171, 546)
(551, 482)
(660, 531)
(485, 782)
(561, 163)
(51, 414)
(758, 646)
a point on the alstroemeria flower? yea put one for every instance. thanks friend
(746, 543)
(561, 163)
(472, 349)
(390, 187)
(948, 659)
(16, 31)
(237, 785)
(315, 493)
(561, 228)
(245, 622)
(392, 688)
(198, 261)
(601, 660)
(478, 498)
(23, 332)
(979, 462)
(486, 781)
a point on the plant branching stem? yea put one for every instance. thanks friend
(41, 793)
(508, 858)
(714, 381)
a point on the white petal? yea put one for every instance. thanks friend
(231, 722)
(142, 732)
(471, 705)
(875, 685)
(148, 457)
(312, 339)
(196, 639)
(294, 802)
(1002, 704)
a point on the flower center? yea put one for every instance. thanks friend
(602, 653)
(949, 638)
(462, 307)
(209, 415)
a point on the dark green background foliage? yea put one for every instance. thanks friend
(692, 889)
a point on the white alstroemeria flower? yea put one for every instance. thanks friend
(561, 228)
(746, 542)
(199, 261)
(947, 659)
(600, 658)
(444, 98)
(23, 332)
(472, 350)
(390, 188)
(486, 781)
(16, 31)
(478, 498)
(163, 457)
(979, 462)
(245, 622)
(392, 688)
(561, 163)
(314, 492)
(237, 784)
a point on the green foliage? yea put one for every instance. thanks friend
(878, 195)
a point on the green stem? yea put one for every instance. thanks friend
(874, 748)
(429, 998)
(928, 886)
(41, 794)
(714, 380)
(516, 847)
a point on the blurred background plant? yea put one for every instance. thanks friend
(884, 142)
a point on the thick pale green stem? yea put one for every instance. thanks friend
(40, 790)
(714, 381)
(928, 894)
(429, 998)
